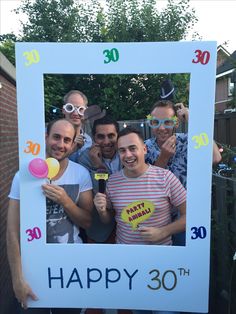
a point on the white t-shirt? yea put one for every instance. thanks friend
(60, 229)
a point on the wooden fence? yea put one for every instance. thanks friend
(223, 246)
(225, 128)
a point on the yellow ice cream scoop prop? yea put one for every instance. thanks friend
(137, 212)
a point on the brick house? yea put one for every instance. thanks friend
(225, 79)
(8, 167)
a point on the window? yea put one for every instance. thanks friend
(230, 87)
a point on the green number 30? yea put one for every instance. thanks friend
(111, 55)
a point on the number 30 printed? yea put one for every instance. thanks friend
(32, 148)
(198, 232)
(201, 56)
(201, 140)
(31, 57)
(111, 55)
(34, 233)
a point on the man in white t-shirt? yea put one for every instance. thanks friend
(69, 206)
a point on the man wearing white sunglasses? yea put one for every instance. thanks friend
(75, 104)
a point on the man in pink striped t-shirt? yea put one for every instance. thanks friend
(141, 196)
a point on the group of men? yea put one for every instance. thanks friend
(73, 201)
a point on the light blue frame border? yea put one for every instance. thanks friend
(131, 262)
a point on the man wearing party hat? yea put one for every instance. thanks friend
(69, 205)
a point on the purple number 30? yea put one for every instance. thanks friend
(34, 233)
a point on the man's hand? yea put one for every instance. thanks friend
(23, 292)
(79, 213)
(100, 202)
(169, 147)
(153, 234)
(56, 194)
(79, 141)
(182, 112)
(167, 151)
(95, 155)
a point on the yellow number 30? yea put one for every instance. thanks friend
(201, 140)
(31, 57)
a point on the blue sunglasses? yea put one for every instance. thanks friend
(167, 123)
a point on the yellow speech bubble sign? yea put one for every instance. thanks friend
(137, 212)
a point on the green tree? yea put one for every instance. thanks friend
(134, 20)
(59, 20)
(124, 96)
(7, 46)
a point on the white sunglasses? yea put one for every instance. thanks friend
(69, 108)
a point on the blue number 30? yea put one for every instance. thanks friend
(198, 232)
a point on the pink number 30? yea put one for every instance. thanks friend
(34, 233)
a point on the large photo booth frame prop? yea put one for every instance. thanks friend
(117, 276)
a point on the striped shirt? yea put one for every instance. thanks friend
(156, 185)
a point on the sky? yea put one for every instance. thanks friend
(216, 20)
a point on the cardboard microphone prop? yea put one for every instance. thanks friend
(101, 175)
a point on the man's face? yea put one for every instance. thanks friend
(106, 138)
(161, 133)
(59, 141)
(132, 154)
(74, 117)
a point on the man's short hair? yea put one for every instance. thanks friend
(51, 123)
(72, 92)
(105, 121)
(164, 103)
(129, 130)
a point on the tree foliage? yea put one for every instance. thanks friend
(124, 96)
(7, 46)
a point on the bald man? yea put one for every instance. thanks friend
(69, 204)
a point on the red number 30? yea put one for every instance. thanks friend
(201, 56)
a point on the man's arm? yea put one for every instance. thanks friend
(216, 154)
(168, 150)
(153, 234)
(21, 289)
(182, 112)
(86, 205)
(81, 214)
(91, 158)
(95, 156)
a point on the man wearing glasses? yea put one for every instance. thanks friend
(75, 104)
(168, 149)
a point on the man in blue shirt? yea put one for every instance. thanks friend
(167, 149)
(102, 155)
